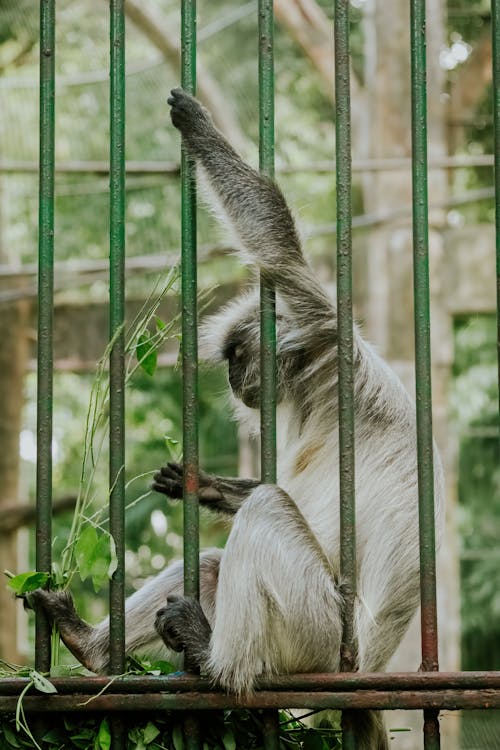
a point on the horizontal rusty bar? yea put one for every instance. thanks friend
(345, 682)
(361, 699)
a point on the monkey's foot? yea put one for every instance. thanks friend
(186, 113)
(182, 625)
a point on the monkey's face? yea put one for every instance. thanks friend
(233, 336)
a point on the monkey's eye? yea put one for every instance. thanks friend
(233, 351)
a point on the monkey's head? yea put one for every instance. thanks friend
(233, 336)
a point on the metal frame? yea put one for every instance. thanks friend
(428, 690)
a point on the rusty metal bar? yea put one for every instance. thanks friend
(45, 318)
(348, 654)
(429, 700)
(310, 683)
(423, 359)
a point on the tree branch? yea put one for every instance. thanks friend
(14, 516)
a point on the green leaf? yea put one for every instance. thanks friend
(26, 582)
(113, 557)
(313, 740)
(147, 354)
(160, 324)
(151, 732)
(229, 741)
(103, 561)
(161, 667)
(42, 683)
(85, 551)
(177, 738)
(104, 736)
(11, 737)
(95, 555)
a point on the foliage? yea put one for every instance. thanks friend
(222, 730)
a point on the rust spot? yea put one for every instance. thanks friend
(190, 479)
(305, 457)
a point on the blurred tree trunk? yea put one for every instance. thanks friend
(13, 361)
(310, 27)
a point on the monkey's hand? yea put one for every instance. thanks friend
(188, 115)
(221, 494)
(169, 481)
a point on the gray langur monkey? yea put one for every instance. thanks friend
(271, 601)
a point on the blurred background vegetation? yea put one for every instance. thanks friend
(304, 145)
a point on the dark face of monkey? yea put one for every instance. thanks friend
(241, 350)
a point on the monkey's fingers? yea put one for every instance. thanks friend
(185, 111)
(168, 483)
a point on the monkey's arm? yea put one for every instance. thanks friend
(254, 208)
(221, 494)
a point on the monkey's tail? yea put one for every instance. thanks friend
(370, 731)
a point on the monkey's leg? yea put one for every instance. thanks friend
(221, 494)
(90, 645)
(278, 606)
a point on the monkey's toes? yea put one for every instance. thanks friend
(168, 630)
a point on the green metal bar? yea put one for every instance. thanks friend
(267, 293)
(423, 360)
(45, 317)
(270, 724)
(190, 415)
(189, 322)
(116, 321)
(495, 31)
(348, 656)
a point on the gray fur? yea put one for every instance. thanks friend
(272, 600)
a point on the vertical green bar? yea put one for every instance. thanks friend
(267, 293)
(116, 322)
(423, 359)
(345, 346)
(495, 30)
(270, 721)
(189, 322)
(190, 413)
(45, 317)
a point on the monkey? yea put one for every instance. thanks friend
(272, 600)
